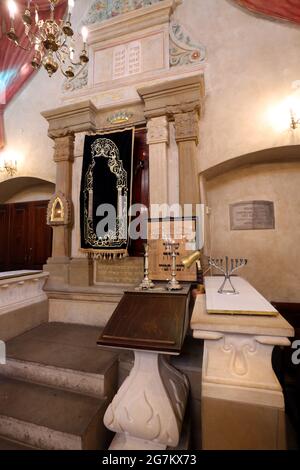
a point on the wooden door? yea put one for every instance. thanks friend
(25, 237)
(4, 237)
(18, 236)
(140, 184)
(40, 236)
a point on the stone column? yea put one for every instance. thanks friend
(63, 157)
(64, 123)
(187, 137)
(81, 267)
(178, 100)
(158, 141)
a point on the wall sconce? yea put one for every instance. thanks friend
(9, 163)
(295, 123)
(294, 105)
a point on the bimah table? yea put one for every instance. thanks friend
(242, 401)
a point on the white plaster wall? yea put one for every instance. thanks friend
(251, 63)
(274, 255)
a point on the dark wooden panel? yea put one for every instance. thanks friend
(25, 237)
(4, 238)
(140, 186)
(18, 235)
(40, 236)
(153, 321)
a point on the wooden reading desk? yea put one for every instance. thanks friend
(148, 410)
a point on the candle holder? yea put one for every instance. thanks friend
(228, 270)
(146, 282)
(173, 284)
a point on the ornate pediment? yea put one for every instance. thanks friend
(132, 42)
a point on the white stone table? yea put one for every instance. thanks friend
(242, 399)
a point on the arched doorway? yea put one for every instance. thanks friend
(25, 238)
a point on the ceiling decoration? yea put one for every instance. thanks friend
(288, 10)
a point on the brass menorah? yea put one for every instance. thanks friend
(228, 268)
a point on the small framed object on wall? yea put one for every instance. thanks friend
(161, 232)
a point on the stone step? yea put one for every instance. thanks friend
(48, 418)
(7, 444)
(64, 356)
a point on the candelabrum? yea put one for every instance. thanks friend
(228, 269)
(173, 284)
(146, 282)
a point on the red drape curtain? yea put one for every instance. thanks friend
(284, 9)
(15, 64)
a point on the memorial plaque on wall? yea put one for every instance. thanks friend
(252, 215)
(183, 232)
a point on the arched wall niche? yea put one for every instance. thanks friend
(273, 254)
(25, 189)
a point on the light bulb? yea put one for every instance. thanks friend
(85, 33)
(71, 5)
(12, 8)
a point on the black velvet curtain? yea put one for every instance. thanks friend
(106, 192)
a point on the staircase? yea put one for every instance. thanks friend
(55, 388)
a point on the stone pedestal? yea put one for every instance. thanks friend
(242, 400)
(148, 410)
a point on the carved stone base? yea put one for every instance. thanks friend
(148, 410)
(242, 401)
(81, 272)
(58, 268)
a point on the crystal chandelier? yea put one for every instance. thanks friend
(52, 41)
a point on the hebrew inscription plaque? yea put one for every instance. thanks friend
(252, 215)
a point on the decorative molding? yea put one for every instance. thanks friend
(78, 82)
(59, 210)
(182, 50)
(150, 404)
(158, 130)
(120, 117)
(102, 10)
(173, 96)
(239, 351)
(239, 360)
(64, 148)
(187, 127)
(72, 118)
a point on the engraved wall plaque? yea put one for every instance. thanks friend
(252, 215)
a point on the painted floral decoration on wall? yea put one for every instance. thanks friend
(102, 10)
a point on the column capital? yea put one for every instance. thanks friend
(77, 117)
(187, 126)
(64, 148)
(158, 130)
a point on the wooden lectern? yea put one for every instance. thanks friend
(148, 410)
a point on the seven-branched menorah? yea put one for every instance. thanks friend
(228, 269)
